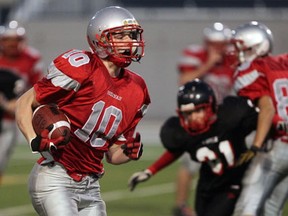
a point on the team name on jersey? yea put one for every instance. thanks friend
(111, 94)
(210, 140)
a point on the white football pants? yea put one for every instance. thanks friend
(265, 185)
(54, 192)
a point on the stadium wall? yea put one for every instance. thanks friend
(165, 38)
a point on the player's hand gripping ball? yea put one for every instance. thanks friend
(51, 126)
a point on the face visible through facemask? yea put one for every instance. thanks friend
(195, 119)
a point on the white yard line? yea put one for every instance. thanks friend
(107, 196)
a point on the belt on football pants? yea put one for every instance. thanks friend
(76, 176)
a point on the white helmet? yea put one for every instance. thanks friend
(252, 40)
(109, 21)
(217, 33)
(13, 29)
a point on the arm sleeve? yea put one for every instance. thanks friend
(163, 161)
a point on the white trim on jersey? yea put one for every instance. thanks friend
(143, 109)
(59, 79)
(190, 61)
(245, 80)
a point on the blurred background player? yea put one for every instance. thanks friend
(264, 79)
(23, 62)
(17, 55)
(11, 87)
(212, 135)
(210, 63)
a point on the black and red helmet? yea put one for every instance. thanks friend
(194, 95)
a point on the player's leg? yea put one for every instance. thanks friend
(48, 191)
(277, 200)
(220, 203)
(8, 137)
(187, 169)
(253, 186)
(91, 202)
(275, 190)
(223, 203)
(202, 199)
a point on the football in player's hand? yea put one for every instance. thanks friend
(50, 117)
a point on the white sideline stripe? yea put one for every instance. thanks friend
(140, 192)
(107, 196)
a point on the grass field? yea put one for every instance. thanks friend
(152, 198)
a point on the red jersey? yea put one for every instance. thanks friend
(220, 77)
(103, 110)
(28, 65)
(265, 76)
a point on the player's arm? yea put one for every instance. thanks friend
(264, 122)
(131, 149)
(214, 57)
(116, 156)
(24, 110)
(265, 118)
(164, 160)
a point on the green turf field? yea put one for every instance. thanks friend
(150, 198)
(153, 198)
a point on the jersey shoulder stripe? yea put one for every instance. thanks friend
(59, 79)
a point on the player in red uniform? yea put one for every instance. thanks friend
(264, 79)
(213, 136)
(22, 61)
(16, 55)
(209, 63)
(104, 102)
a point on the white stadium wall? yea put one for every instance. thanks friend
(165, 38)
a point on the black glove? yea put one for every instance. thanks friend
(138, 177)
(133, 148)
(247, 155)
(282, 127)
(43, 143)
(183, 210)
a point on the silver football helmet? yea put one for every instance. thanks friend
(252, 40)
(111, 21)
(218, 32)
(13, 29)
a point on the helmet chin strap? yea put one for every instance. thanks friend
(120, 62)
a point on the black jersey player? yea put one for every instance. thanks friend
(11, 86)
(213, 136)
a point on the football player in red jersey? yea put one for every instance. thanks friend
(16, 55)
(264, 79)
(208, 62)
(213, 136)
(104, 102)
(22, 61)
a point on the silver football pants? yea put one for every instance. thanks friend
(53, 192)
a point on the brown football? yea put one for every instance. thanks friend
(48, 115)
